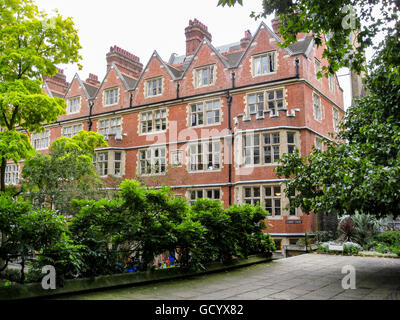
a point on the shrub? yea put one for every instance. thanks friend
(360, 228)
(248, 225)
(389, 237)
(351, 249)
(387, 242)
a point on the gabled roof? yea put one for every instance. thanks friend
(91, 90)
(174, 72)
(83, 85)
(52, 94)
(302, 46)
(190, 59)
(129, 83)
(231, 54)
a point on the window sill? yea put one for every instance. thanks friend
(157, 95)
(153, 132)
(275, 218)
(264, 74)
(205, 171)
(206, 125)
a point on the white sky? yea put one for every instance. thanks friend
(141, 27)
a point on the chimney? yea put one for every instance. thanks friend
(57, 83)
(93, 80)
(246, 40)
(127, 63)
(358, 89)
(276, 22)
(195, 33)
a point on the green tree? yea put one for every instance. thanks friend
(335, 18)
(66, 173)
(31, 45)
(25, 231)
(363, 174)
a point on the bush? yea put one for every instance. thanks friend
(351, 249)
(387, 242)
(64, 256)
(360, 228)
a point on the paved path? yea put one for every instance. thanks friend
(306, 277)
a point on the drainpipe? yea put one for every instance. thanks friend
(90, 123)
(231, 145)
(130, 100)
(178, 86)
(297, 62)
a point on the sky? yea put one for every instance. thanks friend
(141, 27)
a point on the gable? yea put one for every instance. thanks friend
(156, 69)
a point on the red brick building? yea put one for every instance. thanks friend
(210, 123)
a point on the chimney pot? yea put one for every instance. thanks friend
(126, 62)
(195, 34)
(246, 40)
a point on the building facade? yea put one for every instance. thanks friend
(211, 123)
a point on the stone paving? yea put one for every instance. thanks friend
(306, 277)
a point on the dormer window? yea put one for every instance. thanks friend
(264, 64)
(111, 96)
(74, 105)
(205, 76)
(154, 87)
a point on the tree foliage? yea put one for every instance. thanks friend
(66, 173)
(25, 231)
(362, 173)
(31, 45)
(336, 19)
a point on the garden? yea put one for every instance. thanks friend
(363, 235)
(138, 230)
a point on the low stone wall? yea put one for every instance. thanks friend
(35, 290)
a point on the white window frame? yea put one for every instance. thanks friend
(255, 146)
(11, 174)
(101, 162)
(317, 68)
(194, 194)
(272, 100)
(107, 166)
(155, 159)
(115, 96)
(205, 111)
(72, 131)
(74, 105)
(271, 197)
(200, 156)
(156, 117)
(117, 163)
(205, 81)
(274, 196)
(332, 83)
(111, 126)
(335, 119)
(291, 145)
(263, 63)
(318, 143)
(159, 87)
(41, 141)
(176, 158)
(317, 107)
